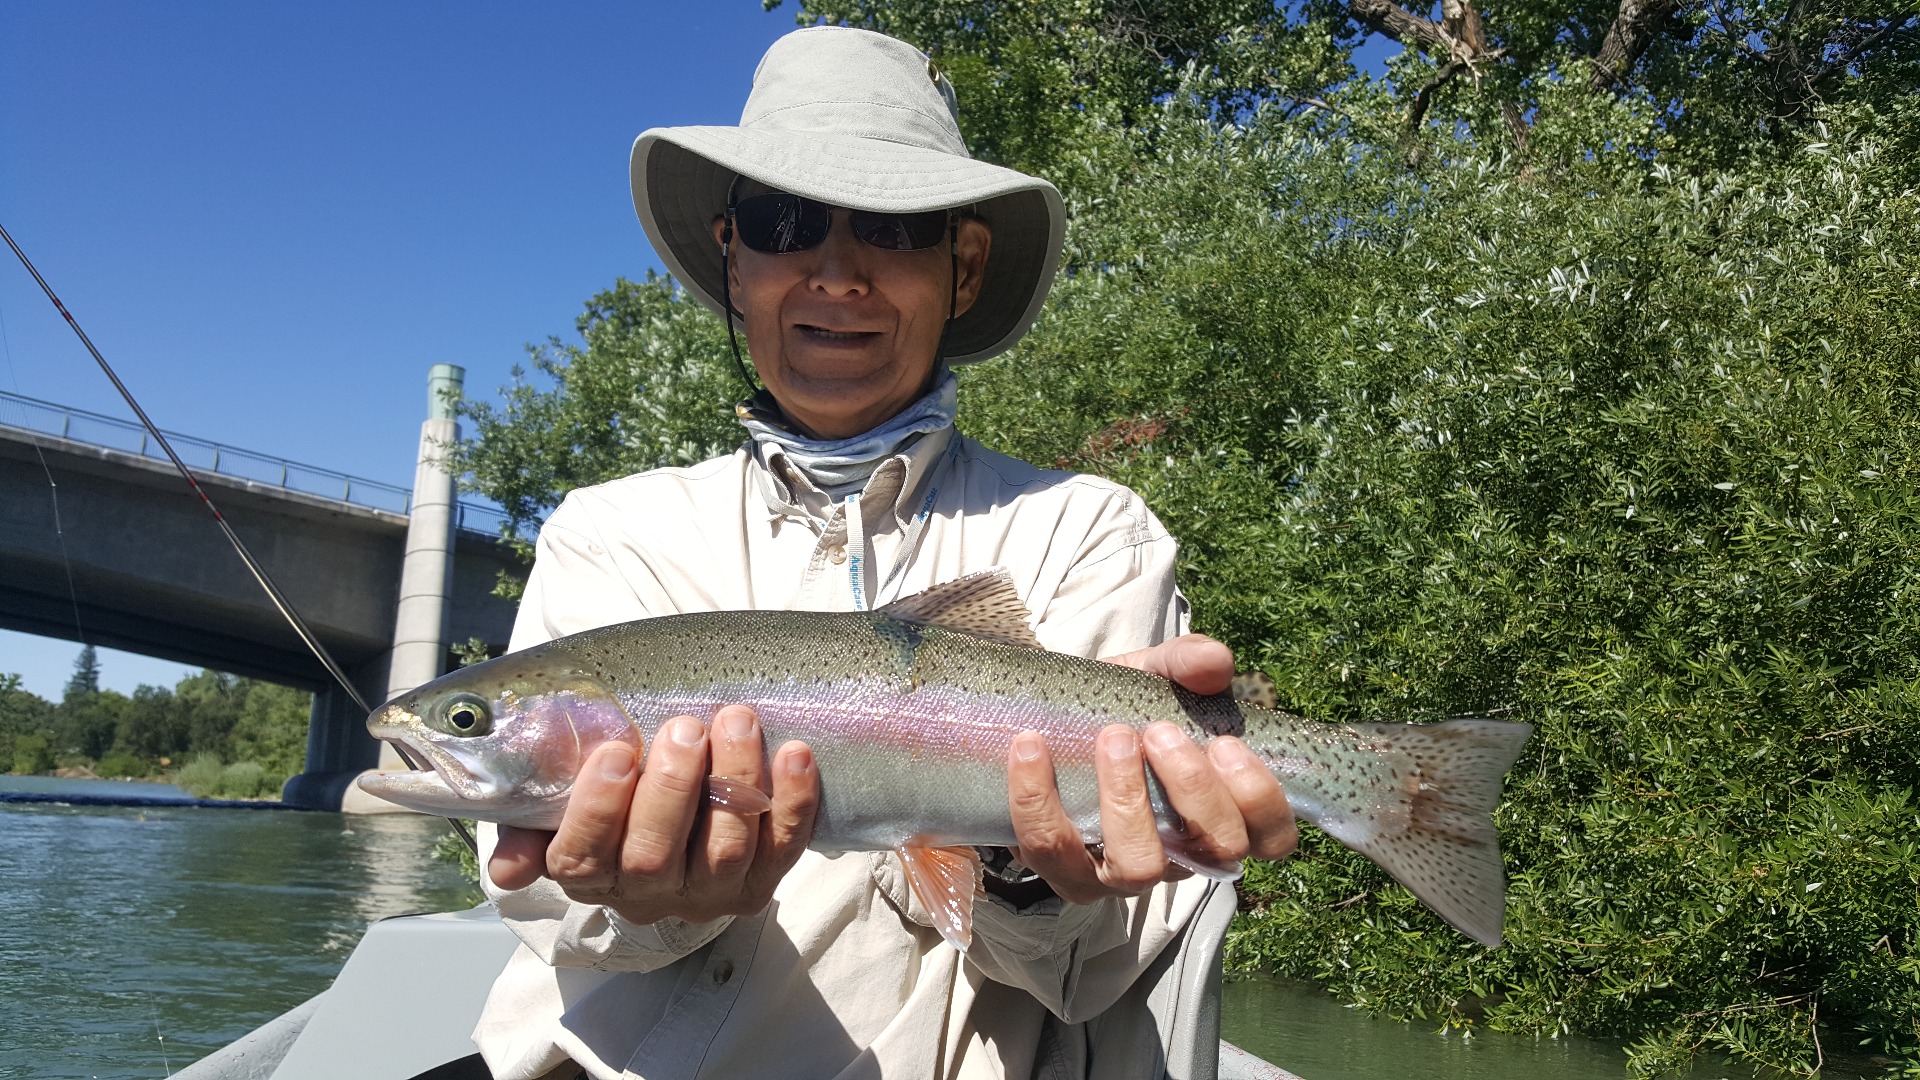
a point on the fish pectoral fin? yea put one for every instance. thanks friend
(1181, 851)
(738, 796)
(985, 604)
(945, 879)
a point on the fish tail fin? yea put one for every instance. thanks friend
(1441, 844)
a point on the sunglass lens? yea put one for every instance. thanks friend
(900, 232)
(779, 224)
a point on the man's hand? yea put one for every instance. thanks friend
(646, 844)
(1233, 807)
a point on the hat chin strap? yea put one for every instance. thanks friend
(726, 289)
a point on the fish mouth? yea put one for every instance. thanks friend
(443, 773)
(420, 787)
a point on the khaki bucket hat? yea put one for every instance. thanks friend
(861, 120)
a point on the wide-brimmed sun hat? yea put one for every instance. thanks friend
(861, 120)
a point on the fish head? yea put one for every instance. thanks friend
(502, 741)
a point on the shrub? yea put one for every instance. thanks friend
(121, 763)
(244, 780)
(199, 777)
(1626, 453)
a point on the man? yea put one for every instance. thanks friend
(663, 939)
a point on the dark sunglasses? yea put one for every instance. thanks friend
(780, 224)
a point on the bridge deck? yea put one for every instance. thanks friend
(150, 573)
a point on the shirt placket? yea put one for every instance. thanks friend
(823, 587)
(679, 1043)
(828, 582)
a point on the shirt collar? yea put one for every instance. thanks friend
(890, 494)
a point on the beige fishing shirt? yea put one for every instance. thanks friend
(842, 976)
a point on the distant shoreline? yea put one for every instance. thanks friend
(82, 791)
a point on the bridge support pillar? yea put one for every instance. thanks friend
(338, 746)
(426, 575)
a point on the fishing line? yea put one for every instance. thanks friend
(53, 489)
(240, 548)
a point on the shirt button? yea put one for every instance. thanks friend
(722, 972)
(837, 555)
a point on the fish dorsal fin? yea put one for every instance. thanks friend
(984, 604)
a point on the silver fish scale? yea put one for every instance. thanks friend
(911, 725)
(877, 698)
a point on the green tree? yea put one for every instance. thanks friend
(651, 384)
(154, 725)
(25, 719)
(86, 674)
(271, 730)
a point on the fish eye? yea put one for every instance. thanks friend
(466, 714)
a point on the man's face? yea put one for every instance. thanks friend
(844, 334)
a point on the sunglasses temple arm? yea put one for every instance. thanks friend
(953, 289)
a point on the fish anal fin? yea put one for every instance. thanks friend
(738, 796)
(985, 605)
(945, 880)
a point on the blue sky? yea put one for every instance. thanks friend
(272, 218)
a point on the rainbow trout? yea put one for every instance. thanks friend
(910, 711)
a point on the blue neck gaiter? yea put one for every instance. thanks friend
(840, 467)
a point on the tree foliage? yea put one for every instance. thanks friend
(1567, 373)
(647, 387)
(214, 715)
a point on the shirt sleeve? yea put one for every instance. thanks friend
(575, 586)
(1077, 959)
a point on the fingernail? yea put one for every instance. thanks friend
(616, 761)
(1240, 757)
(800, 762)
(1027, 746)
(1122, 746)
(1229, 753)
(1165, 736)
(738, 723)
(685, 731)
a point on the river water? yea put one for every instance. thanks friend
(135, 940)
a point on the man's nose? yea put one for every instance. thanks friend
(840, 267)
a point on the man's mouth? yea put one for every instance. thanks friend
(825, 334)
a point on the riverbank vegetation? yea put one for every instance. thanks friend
(214, 735)
(1564, 372)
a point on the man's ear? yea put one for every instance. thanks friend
(971, 247)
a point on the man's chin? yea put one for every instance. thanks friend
(837, 405)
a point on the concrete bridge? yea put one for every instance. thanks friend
(137, 563)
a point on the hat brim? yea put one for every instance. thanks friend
(680, 178)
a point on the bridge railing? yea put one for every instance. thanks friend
(205, 456)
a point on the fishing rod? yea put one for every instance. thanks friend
(280, 601)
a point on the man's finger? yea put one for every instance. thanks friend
(584, 856)
(519, 857)
(1049, 843)
(670, 794)
(1195, 661)
(1131, 858)
(785, 830)
(1271, 832)
(1215, 832)
(724, 841)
